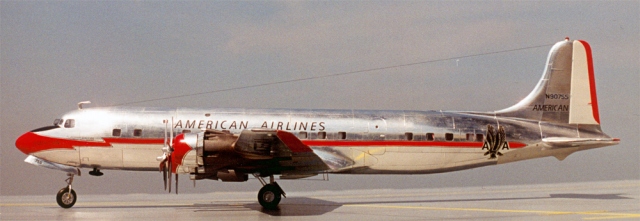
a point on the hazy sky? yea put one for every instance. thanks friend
(55, 54)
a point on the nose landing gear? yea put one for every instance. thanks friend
(66, 197)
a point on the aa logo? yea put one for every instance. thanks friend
(495, 141)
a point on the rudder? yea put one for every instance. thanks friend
(584, 102)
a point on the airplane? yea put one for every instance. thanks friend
(559, 117)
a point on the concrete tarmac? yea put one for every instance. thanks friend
(612, 200)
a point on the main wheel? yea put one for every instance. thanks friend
(66, 199)
(269, 196)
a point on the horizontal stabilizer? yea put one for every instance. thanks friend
(564, 142)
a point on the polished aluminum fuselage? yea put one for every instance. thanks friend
(348, 141)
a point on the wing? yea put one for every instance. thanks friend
(282, 146)
(229, 157)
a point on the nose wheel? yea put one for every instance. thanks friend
(66, 197)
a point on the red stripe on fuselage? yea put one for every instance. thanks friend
(351, 143)
(134, 140)
(31, 142)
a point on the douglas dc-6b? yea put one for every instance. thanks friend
(560, 116)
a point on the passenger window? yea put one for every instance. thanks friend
(430, 137)
(70, 123)
(322, 135)
(137, 132)
(448, 136)
(186, 131)
(408, 136)
(342, 135)
(479, 137)
(302, 135)
(116, 132)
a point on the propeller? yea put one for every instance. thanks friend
(165, 164)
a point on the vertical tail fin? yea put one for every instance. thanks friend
(566, 92)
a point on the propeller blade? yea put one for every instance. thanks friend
(165, 164)
(164, 174)
(171, 136)
(169, 175)
(161, 167)
(176, 183)
(165, 132)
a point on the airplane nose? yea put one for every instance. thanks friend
(32, 142)
(28, 143)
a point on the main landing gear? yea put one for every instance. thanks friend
(270, 194)
(66, 197)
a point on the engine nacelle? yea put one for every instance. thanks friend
(209, 142)
(215, 142)
(214, 149)
(218, 152)
(253, 144)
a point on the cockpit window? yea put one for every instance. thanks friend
(70, 123)
(56, 124)
(45, 128)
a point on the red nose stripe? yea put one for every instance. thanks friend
(31, 142)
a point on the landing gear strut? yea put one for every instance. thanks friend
(270, 194)
(66, 197)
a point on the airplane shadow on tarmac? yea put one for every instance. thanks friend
(305, 206)
(298, 206)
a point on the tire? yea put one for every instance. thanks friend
(64, 199)
(269, 196)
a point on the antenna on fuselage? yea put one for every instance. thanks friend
(81, 103)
